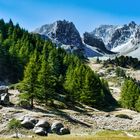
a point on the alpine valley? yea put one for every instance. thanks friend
(54, 82)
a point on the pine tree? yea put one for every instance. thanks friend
(30, 78)
(130, 93)
(45, 78)
(91, 93)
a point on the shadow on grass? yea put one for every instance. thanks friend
(69, 118)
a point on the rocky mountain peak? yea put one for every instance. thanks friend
(124, 39)
(62, 32)
(132, 24)
(102, 40)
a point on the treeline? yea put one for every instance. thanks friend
(130, 94)
(46, 72)
(124, 61)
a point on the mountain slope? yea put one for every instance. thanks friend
(104, 40)
(123, 39)
(64, 34)
(95, 42)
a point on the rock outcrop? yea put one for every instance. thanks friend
(29, 122)
(56, 126)
(42, 127)
(95, 42)
(63, 33)
(4, 95)
(40, 131)
(64, 131)
(122, 39)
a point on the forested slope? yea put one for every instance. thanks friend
(46, 72)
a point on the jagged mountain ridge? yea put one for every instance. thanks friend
(94, 41)
(123, 39)
(65, 34)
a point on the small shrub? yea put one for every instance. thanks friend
(14, 125)
(24, 103)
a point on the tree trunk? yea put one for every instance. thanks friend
(16, 131)
(32, 102)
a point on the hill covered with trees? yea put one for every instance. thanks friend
(46, 72)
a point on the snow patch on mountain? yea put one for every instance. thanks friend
(64, 34)
(91, 51)
(123, 39)
(123, 48)
(136, 52)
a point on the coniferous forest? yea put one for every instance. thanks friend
(46, 72)
(124, 61)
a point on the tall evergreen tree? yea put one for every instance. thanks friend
(130, 93)
(30, 78)
(46, 79)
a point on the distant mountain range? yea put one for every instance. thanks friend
(102, 41)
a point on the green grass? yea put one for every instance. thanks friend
(110, 133)
(75, 138)
(101, 135)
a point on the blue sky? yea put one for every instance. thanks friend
(86, 14)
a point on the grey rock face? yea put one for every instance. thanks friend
(56, 126)
(101, 41)
(64, 131)
(29, 122)
(132, 24)
(40, 131)
(95, 42)
(5, 99)
(43, 123)
(42, 128)
(3, 89)
(62, 33)
(4, 95)
(114, 36)
(120, 36)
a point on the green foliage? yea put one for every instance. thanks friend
(15, 125)
(30, 77)
(24, 103)
(124, 61)
(120, 72)
(46, 72)
(46, 79)
(130, 94)
(137, 105)
(85, 86)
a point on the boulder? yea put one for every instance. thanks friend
(40, 131)
(64, 131)
(29, 123)
(43, 123)
(56, 126)
(5, 98)
(34, 120)
(4, 89)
